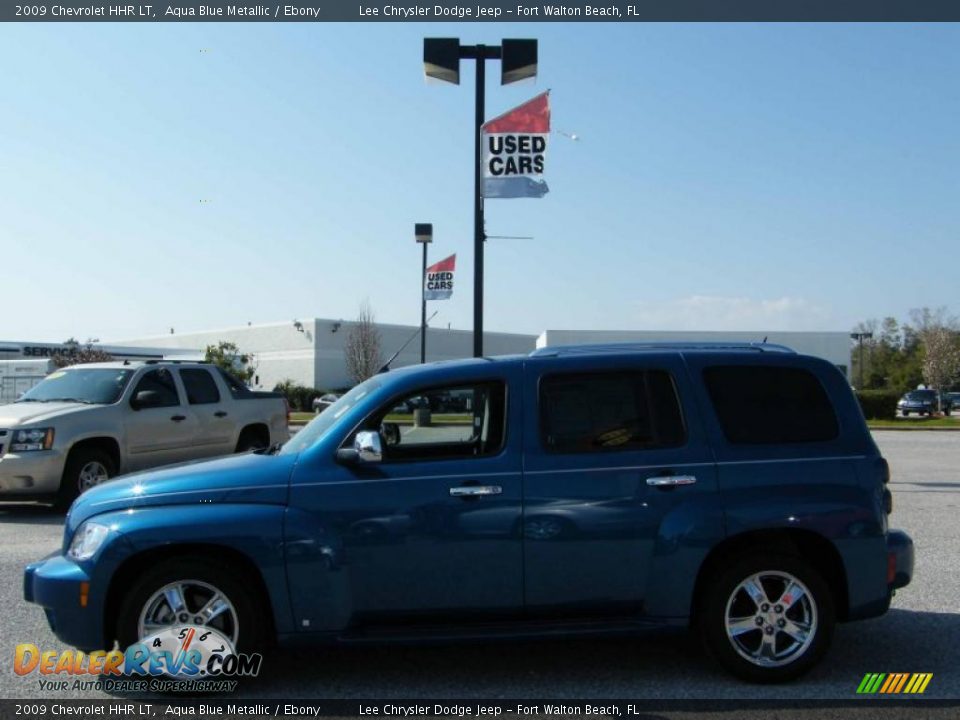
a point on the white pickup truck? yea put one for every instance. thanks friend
(87, 423)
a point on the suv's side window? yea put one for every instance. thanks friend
(200, 386)
(763, 405)
(442, 423)
(161, 382)
(610, 411)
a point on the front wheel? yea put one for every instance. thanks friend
(767, 618)
(85, 468)
(199, 592)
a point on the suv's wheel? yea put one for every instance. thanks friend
(85, 468)
(767, 618)
(251, 440)
(182, 591)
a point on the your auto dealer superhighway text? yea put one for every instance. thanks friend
(493, 710)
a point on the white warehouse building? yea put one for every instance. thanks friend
(311, 352)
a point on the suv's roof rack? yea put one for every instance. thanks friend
(175, 362)
(558, 350)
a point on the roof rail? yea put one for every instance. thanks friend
(175, 362)
(559, 350)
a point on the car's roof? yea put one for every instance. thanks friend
(135, 364)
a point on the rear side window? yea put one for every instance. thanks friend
(603, 412)
(759, 405)
(200, 386)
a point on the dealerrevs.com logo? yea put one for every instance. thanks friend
(186, 658)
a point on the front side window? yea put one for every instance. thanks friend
(161, 382)
(442, 423)
(610, 411)
(200, 386)
(759, 405)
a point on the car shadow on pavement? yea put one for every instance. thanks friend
(668, 666)
(30, 514)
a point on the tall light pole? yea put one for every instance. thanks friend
(860, 337)
(518, 61)
(423, 232)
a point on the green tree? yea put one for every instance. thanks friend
(227, 355)
(77, 354)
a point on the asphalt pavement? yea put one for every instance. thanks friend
(921, 633)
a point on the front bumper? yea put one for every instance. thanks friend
(54, 584)
(899, 559)
(31, 473)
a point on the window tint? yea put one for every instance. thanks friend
(237, 389)
(766, 405)
(443, 423)
(602, 412)
(200, 386)
(161, 382)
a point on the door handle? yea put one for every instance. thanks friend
(665, 481)
(475, 490)
(220, 413)
(179, 418)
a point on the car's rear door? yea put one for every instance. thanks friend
(619, 486)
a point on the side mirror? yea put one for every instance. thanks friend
(145, 399)
(367, 448)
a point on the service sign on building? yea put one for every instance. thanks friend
(438, 284)
(514, 151)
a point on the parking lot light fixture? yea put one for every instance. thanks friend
(860, 337)
(423, 232)
(441, 61)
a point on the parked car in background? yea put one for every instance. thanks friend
(84, 424)
(324, 401)
(734, 490)
(918, 402)
(954, 398)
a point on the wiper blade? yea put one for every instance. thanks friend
(272, 450)
(76, 400)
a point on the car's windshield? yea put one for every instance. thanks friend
(920, 395)
(325, 420)
(98, 386)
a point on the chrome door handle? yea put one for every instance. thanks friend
(671, 480)
(475, 490)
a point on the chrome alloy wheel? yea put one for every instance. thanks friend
(771, 618)
(189, 602)
(91, 475)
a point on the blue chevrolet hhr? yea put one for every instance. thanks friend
(735, 490)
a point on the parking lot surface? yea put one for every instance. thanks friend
(920, 634)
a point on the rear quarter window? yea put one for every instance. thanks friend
(765, 405)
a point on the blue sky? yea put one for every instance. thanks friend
(727, 176)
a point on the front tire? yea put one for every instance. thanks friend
(85, 468)
(767, 618)
(184, 591)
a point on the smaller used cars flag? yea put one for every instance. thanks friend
(514, 150)
(438, 284)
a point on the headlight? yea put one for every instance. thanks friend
(87, 541)
(32, 439)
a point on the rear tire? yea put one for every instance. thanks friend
(767, 618)
(244, 619)
(85, 468)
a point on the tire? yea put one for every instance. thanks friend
(242, 621)
(789, 655)
(251, 440)
(906, 413)
(85, 468)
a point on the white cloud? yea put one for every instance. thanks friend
(718, 312)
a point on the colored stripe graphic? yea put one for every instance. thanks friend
(894, 683)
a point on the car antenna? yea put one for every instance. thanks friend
(765, 338)
(386, 366)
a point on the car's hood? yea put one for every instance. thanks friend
(24, 413)
(248, 478)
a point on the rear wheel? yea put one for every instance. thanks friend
(251, 439)
(767, 618)
(86, 468)
(199, 592)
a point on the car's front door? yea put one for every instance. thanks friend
(431, 532)
(163, 432)
(617, 474)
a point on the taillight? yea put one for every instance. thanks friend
(286, 404)
(891, 568)
(884, 470)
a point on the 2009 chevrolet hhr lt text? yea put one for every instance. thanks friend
(732, 489)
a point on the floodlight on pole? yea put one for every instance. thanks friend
(441, 61)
